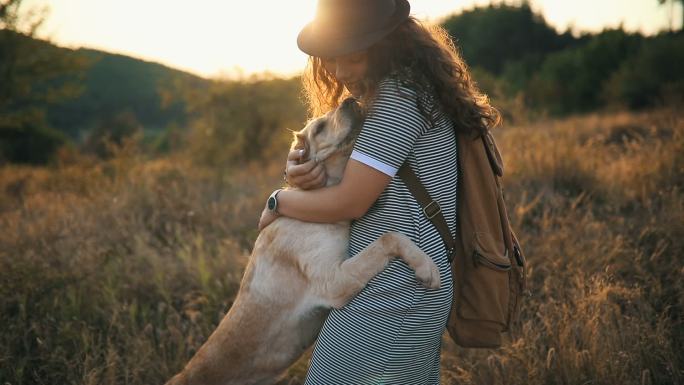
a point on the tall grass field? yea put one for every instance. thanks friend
(116, 271)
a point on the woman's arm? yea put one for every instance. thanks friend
(361, 185)
(389, 132)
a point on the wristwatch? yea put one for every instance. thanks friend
(272, 202)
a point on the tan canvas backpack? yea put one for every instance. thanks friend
(487, 262)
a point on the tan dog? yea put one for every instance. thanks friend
(296, 273)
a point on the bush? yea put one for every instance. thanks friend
(572, 80)
(25, 137)
(655, 76)
(238, 121)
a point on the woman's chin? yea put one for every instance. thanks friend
(355, 90)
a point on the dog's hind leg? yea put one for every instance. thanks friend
(352, 274)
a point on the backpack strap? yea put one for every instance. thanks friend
(431, 208)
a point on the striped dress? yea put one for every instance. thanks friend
(390, 333)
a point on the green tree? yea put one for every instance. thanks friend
(31, 74)
(655, 76)
(489, 37)
(572, 80)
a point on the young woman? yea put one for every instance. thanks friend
(419, 92)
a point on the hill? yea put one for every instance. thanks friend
(112, 84)
(51, 95)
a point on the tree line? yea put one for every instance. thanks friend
(518, 54)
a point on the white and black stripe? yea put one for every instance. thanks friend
(391, 332)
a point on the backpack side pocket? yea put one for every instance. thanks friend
(485, 287)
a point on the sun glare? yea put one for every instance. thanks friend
(208, 38)
(229, 38)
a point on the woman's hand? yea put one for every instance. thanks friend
(267, 216)
(306, 176)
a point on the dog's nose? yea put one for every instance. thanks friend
(349, 102)
(352, 108)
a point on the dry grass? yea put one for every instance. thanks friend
(114, 272)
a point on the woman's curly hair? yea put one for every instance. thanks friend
(423, 57)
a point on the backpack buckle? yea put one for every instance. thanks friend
(450, 254)
(433, 208)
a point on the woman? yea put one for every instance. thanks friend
(418, 91)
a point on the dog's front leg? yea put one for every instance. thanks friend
(352, 275)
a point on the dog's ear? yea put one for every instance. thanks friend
(299, 141)
(302, 143)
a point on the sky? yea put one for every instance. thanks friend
(228, 38)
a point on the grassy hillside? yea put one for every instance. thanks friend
(101, 85)
(112, 84)
(114, 272)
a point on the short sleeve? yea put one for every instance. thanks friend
(391, 128)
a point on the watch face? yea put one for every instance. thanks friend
(271, 203)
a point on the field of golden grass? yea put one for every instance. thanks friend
(114, 272)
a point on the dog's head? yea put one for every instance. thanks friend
(329, 139)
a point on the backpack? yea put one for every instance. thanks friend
(487, 263)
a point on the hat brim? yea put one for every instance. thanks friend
(313, 44)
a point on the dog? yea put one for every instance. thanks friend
(296, 273)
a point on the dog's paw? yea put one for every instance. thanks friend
(428, 275)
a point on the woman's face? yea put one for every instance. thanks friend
(349, 70)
